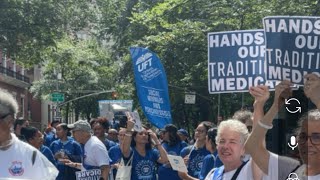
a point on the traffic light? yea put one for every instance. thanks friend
(114, 95)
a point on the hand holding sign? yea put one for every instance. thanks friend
(138, 125)
(312, 88)
(260, 93)
(130, 122)
(283, 91)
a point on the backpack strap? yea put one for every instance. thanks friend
(34, 155)
(236, 174)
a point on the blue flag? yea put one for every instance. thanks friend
(152, 86)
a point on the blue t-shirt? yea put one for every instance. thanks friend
(115, 154)
(71, 148)
(48, 153)
(210, 161)
(144, 167)
(49, 138)
(165, 172)
(108, 143)
(196, 158)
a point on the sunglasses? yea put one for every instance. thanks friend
(314, 138)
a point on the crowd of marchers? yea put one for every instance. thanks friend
(234, 149)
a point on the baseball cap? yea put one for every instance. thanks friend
(183, 132)
(170, 128)
(80, 125)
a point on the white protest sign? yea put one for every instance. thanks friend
(93, 174)
(137, 125)
(177, 163)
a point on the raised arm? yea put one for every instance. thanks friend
(312, 88)
(163, 153)
(125, 145)
(261, 94)
(254, 143)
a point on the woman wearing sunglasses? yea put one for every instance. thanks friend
(308, 137)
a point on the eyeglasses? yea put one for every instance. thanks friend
(4, 116)
(314, 138)
(200, 131)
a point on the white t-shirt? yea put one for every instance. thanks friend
(95, 153)
(280, 167)
(245, 173)
(16, 163)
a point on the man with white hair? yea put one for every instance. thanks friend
(95, 152)
(19, 160)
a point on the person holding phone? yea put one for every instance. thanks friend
(140, 146)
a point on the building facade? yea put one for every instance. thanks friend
(17, 81)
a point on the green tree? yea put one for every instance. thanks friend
(30, 27)
(84, 66)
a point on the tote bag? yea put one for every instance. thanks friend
(124, 170)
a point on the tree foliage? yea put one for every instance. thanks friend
(29, 27)
(176, 30)
(84, 67)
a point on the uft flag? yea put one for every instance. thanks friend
(152, 86)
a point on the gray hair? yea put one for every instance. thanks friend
(243, 116)
(8, 105)
(312, 115)
(236, 126)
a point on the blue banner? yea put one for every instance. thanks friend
(292, 47)
(152, 86)
(236, 61)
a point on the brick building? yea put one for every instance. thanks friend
(17, 80)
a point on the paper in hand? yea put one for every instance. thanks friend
(137, 125)
(177, 163)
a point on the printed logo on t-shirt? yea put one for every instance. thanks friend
(16, 168)
(144, 169)
(196, 164)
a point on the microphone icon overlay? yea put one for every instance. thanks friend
(293, 142)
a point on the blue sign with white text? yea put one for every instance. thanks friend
(152, 86)
(236, 61)
(292, 47)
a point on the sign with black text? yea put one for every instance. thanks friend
(93, 174)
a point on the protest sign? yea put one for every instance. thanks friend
(93, 174)
(292, 47)
(236, 61)
(152, 86)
